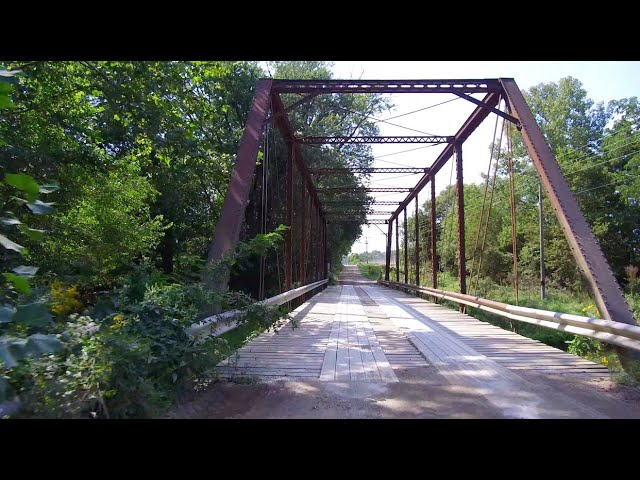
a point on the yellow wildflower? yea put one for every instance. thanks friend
(65, 300)
(118, 322)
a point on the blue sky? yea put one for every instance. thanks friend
(603, 81)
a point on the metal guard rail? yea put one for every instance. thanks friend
(223, 322)
(607, 331)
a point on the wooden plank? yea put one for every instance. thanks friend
(328, 371)
(356, 365)
(342, 360)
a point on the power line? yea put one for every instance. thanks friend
(605, 185)
(383, 121)
(421, 109)
(599, 139)
(609, 148)
(601, 163)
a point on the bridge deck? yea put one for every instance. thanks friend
(367, 333)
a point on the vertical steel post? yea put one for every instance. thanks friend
(543, 274)
(319, 244)
(388, 255)
(288, 253)
(417, 245)
(326, 259)
(462, 261)
(312, 218)
(397, 249)
(303, 236)
(406, 264)
(432, 220)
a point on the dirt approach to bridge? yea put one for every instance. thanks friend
(364, 351)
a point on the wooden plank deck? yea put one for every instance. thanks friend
(505, 348)
(334, 342)
(368, 333)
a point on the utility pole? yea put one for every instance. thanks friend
(366, 248)
(542, 272)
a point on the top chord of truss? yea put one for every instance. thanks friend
(386, 86)
(340, 171)
(375, 139)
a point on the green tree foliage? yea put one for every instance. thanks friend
(108, 226)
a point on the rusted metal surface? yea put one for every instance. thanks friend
(386, 86)
(293, 106)
(584, 246)
(543, 274)
(365, 189)
(341, 171)
(357, 212)
(357, 220)
(288, 251)
(374, 139)
(406, 250)
(387, 262)
(303, 238)
(417, 245)
(352, 202)
(397, 250)
(462, 260)
(432, 220)
(312, 250)
(235, 202)
(492, 109)
(469, 126)
(325, 249)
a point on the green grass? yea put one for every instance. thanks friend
(371, 271)
(242, 335)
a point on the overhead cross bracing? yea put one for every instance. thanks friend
(435, 139)
(347, 202)
(356, 220)
(340, 171)
(365, 189)
(357, 212)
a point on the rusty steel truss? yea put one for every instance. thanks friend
(366, 189)
(340, 171)
(435, 139)
(267, 107)
(357, 212)
(356, 220)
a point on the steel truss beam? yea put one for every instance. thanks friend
(340, 171)
(235, 202)
(374, 139)
(504, 115)
(292, 106)
(356, 212)
(365, 189)
(355, 220)
(351, 202)
(386, 86)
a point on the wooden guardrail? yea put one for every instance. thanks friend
(607, 331)
(223, 322)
